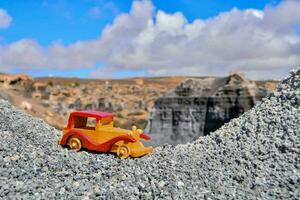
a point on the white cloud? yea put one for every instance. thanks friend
(261, 43)
(22, 54)
(5, 19)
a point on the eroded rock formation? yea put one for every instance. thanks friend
(199, 106)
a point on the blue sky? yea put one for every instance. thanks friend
(70, 20)
(66, 22)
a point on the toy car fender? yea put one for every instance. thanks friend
(89, 144)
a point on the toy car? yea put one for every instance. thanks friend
(103, 136)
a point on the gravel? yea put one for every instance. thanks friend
(255, 156)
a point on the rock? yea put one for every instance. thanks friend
(4, 95)
(101, 104)
(60, 108)
(77, 105)
(108, 86)
(26, 105)
(12, 79)
(40, 91)
(200, 106)
(90, 106)
(66, 93)
(140, 81)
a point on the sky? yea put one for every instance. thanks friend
(117, 39)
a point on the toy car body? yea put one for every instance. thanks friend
(103, 137)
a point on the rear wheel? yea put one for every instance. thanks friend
(75, 143)
(123, 151)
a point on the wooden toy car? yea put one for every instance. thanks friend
(103, 136)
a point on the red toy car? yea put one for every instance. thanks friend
(103, 136)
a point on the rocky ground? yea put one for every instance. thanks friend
(255, 156)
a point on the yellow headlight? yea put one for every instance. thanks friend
(133, 128)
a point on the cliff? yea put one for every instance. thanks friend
(199, 106)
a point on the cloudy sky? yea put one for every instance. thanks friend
(115, 39)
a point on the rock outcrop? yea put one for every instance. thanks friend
(199, 106)
(10, 79)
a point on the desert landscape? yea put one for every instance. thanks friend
(144, 102)
(150, 100)
(255, 155)
(54, 98)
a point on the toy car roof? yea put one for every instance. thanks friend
(87, 113)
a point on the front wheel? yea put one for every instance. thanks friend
(75, 143)
(123, 151)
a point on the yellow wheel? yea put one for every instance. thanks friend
(74, 143)
(123, 151)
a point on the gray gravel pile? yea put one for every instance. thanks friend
(253, 157)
